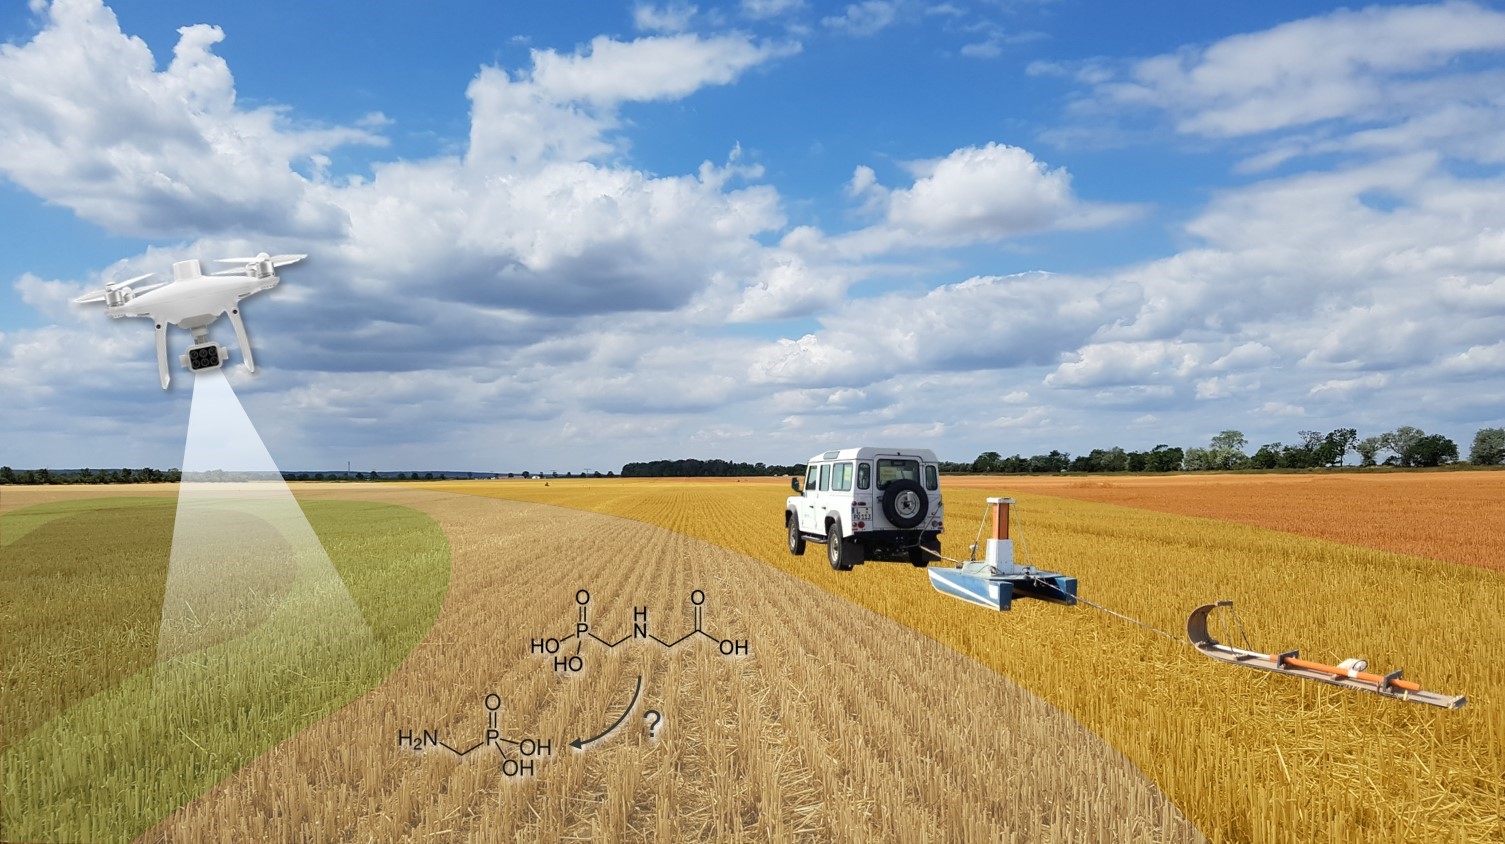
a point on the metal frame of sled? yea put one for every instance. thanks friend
(997, 580)
(1349, 674)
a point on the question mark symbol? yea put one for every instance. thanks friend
(653, 717)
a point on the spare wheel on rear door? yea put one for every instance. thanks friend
(905, 503)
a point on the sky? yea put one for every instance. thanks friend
(564, 236)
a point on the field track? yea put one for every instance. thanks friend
(840, 725)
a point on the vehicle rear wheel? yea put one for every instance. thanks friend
(838, 551)
(921, 555)
(796, 539)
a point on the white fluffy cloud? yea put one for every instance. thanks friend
(1384, 80)
(86, 121)
(972, 195)
(1348, 64)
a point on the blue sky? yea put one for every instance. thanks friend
(563, 237)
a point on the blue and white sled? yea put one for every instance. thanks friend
(996, 580)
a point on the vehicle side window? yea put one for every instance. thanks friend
(841, 477)
(864, 475)
(811, 473)
(930, 479)
(825, 476)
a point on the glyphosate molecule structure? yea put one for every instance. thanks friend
(518, 756)
(574, 663)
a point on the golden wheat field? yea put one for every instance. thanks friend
(838, 725)
(1248, 756)
(1454, 516)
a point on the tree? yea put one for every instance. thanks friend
(989, 462)
(1229, 441)
(1336, 445)
(1267, 457)
(1298, 457)
(1402, 441)
(7, 475)
(527, 475)
(1053, 463)
(1226, 451)
(1367, 448)
(1199, 460)
(1488, 448)
(1163, 458)
(1433, 450)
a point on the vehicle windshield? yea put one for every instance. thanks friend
(890, 469)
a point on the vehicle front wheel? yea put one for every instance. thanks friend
(796, 539)
(837, 550)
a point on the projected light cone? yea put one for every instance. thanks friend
(243, 554)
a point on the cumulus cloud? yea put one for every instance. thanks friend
(564, 107)
(1110, 364)
(981, 323)
(1384, 80)
(87, 122)
(646, 69)
(1342, 65)
(972, 195)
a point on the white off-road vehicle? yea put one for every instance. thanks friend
(868, 503)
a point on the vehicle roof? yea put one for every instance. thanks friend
(865, 452)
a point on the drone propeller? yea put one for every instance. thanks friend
(277, 260)
(111, 287)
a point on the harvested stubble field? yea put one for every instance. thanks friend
(1248, 756)
(840, 724)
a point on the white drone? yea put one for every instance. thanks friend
(193, 301)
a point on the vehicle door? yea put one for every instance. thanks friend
(821, 501)
(863, 495)
(888, 470)
(806, 509)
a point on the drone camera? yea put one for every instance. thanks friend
(204, 356)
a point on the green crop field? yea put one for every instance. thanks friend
(101, 740)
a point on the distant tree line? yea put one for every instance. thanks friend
(1404, 447)
(147, 475)
(692, 468)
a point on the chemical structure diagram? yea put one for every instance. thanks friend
(575, 663)
(519, 756)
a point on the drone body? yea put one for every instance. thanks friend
(193, 301)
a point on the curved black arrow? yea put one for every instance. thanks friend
(580, 743)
